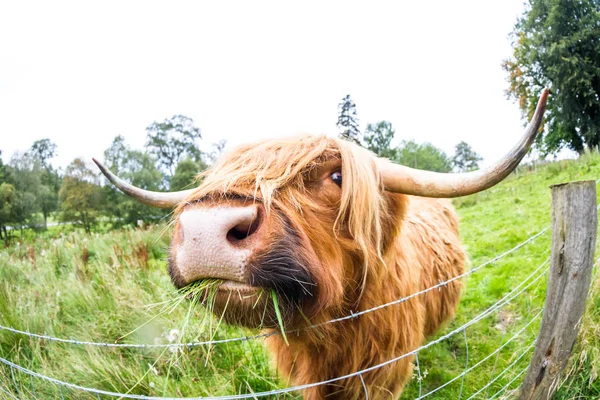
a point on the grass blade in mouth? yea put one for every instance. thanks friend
(260, 293)
(279, 318)
(205, 287)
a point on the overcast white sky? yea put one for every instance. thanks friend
(80, 74)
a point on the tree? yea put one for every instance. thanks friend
(465, 159)
(171, 141)
(185, 175)
(23, 210)
(378, 138)
(348, 120)
(138, 168)
(25, 173)
(557, 45)
(116, 155)
(34, 188)
(422, 156)
(47, 200)
(7, 201)
(80, 195)
(43, 150)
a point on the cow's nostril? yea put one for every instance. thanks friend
(243, 230)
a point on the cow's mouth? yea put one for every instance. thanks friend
(229, 285)
(203, 288)
(236, 302)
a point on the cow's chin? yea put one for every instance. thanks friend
(249, 306)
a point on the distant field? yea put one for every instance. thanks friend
(105, 286)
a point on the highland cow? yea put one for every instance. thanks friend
(330, 229)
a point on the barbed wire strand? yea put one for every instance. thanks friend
(505, 300)
(512, 364)
(495, 352)
(267, 334)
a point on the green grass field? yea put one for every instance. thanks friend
(112, 287)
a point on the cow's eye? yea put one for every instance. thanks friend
(337, 178)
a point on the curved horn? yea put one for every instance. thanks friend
(154, 199)
(401, 179)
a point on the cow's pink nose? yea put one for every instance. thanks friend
(216, 242)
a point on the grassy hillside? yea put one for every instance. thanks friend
(113, 287)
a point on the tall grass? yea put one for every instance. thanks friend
(113, 287)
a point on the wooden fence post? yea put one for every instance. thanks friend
(574, 222)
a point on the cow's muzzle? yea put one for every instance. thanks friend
(215, 242)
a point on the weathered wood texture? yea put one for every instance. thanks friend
(574, 222)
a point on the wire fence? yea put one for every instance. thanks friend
(490, 355)
(533, 278)
(525, 284)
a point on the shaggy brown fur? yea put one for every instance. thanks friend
(427, 251)
(359, 244)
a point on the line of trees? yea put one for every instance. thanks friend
(31, 189)
(378, 138)
(28, 184)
